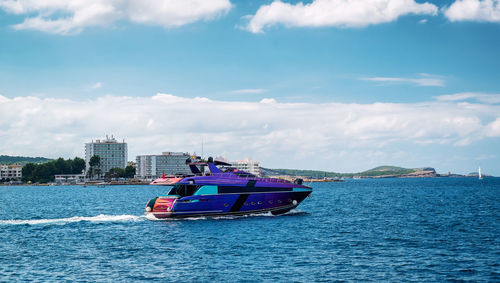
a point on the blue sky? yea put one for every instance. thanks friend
(415, 84)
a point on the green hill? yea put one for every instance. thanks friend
(8, 160)
(387, 170)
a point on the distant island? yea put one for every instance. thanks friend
(377, 172)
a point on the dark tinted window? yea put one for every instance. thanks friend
(183, 190)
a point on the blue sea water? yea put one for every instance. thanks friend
(375, 230)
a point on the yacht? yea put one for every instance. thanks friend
(224, 190)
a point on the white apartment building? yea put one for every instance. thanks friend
(113, 154)
(11, 172)
(69, 178)
(170, 163)
(246, 165)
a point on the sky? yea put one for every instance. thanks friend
(335, 85)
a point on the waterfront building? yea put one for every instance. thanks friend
(171, 163)
(11, 172)
(113, 154)
(69, 179)
(247, 165)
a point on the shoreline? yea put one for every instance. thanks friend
(97, 184)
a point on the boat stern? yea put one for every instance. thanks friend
(160, 207)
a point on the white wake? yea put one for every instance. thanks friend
(263, 214)
(124, 218)
(226, 217)
(62, 221)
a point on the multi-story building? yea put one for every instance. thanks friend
(69, 178)
(113, 154)
(246, 165)
(170, 163)
(11, 172)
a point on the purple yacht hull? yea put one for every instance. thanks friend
(230, 204)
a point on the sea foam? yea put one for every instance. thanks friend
(63, 221)
(125, 217)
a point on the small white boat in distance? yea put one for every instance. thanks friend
(479, 175)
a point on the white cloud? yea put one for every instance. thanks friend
(278, 134)
(69, 17)
(268, 100)
(339, 13)
(3, 99)
(494, 128)
(474, 10)
(248, 90)
(478, 96)
(96, 85)
(422, 80)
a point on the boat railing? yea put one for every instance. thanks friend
(275, 180)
